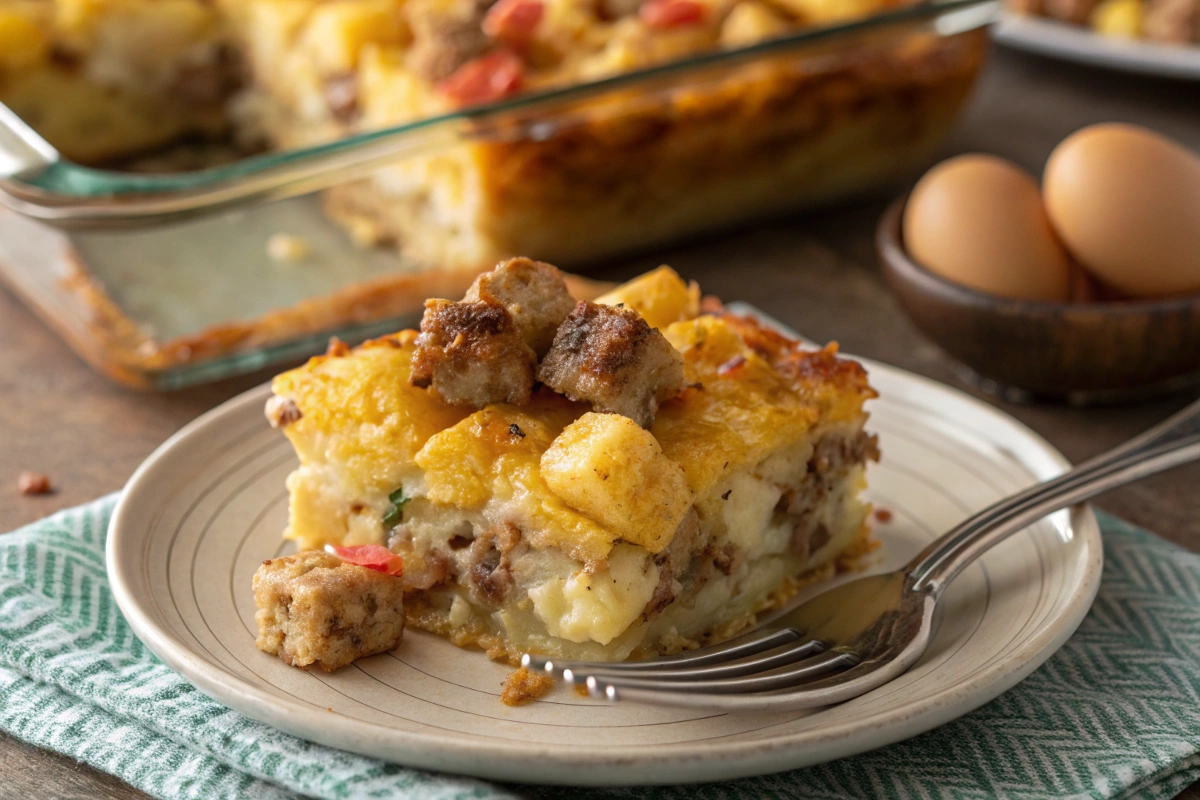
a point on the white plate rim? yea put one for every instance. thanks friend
(617, 765)
(1079, 44)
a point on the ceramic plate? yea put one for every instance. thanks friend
(1077, 43)
(204, 511)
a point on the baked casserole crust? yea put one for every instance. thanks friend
(555, 528)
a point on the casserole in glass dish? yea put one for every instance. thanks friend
(609, 136)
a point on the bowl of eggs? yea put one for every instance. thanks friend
(1084, 289)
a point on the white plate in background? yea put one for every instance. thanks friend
(1078, 43)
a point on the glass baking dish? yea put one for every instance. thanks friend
(266, 257)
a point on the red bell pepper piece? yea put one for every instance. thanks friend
(371, 556)
(513, 21)
(485, 79)
(664, 14)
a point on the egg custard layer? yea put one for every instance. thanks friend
(554, 529)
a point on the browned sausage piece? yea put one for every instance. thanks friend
(609, 357)
(316, 610)
(446, 35)
(473, 354)
(534, 293)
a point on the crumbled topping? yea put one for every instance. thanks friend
(282, 411)
(524, 687)
(33, 483)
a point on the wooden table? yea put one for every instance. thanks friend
(817, 273)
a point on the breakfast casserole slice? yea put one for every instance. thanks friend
(697, 469)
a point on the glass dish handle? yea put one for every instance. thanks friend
(23, 154)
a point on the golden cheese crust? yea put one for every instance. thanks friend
(360, 422)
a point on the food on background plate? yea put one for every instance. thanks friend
(1115, 217)
(1175, 22)
(647, 516)
(112, 78)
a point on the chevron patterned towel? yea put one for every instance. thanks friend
(1115, 713)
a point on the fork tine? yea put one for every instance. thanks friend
(743, 666)
(609, 686)
(747, 645)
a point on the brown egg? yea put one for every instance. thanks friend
(978, 220)
(1126, 202)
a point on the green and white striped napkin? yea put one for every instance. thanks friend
(1115, 713)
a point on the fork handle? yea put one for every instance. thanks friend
(1171, 443)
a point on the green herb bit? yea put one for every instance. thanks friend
(395, 514)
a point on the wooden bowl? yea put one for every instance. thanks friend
(1028, 351)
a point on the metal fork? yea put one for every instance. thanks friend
(860, 635)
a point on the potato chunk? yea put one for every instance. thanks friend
(614, 471)
(751, 22)
(611, 358)
(315, 609)
(533, 292)
(660, 296)
(336, 34)
(598, 606)
(473, 354)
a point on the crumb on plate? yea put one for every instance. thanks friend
(883, 515)
(524, 687)
(285, 248)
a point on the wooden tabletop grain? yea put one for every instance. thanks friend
(817, 273)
